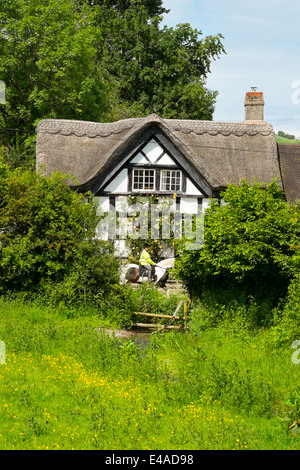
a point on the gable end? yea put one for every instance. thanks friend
(165, 156)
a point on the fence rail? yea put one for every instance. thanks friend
(175, 317)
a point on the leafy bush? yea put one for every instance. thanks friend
(47, 241)
(250, 248)
(286, 324)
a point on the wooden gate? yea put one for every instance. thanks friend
(181, 319)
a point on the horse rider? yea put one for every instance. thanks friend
(146, 262)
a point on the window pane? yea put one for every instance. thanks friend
(170, 180)
(144, 180)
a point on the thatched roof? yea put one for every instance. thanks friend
(221, 152)
(289, 157)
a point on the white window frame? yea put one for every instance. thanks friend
(144, 174)
(163, 180)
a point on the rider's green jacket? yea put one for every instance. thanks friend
(145, 258)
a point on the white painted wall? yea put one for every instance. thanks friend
(139, 158)
(205, 204)
(121, 249)
(153, 150)
(191, 188)
(103, 204)
(166, 160)
(121, 204)
(119, 183)
(189, 205)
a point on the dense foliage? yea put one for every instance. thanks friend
(48, 51)
(251, 247)
(287, 136)
(156, 69)
(47, 242)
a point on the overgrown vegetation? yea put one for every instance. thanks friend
(67, 385)
(250, 254)
(231, 380)
(48, 248)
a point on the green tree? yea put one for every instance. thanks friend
(48, 50)
(47, 238)
(97, 61)
(155, 69)
(153, 7)
(249, 245)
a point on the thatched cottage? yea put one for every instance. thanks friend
(195, 160)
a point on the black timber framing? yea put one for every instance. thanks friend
(180, 160)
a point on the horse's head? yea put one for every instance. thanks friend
(167, 263)
(163, 278)
(162, 270)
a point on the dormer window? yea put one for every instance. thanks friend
(143, 180)
(170, 180)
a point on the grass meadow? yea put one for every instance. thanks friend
(65, 385)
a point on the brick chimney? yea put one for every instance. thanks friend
(254, 106)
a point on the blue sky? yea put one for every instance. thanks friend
(262, 40)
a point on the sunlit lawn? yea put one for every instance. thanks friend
(53, 402)
(105, 396)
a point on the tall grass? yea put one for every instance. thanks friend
(65, 385)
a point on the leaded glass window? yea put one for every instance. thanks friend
(143, 180)
(170, 180)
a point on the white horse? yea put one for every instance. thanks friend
(130, 272)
